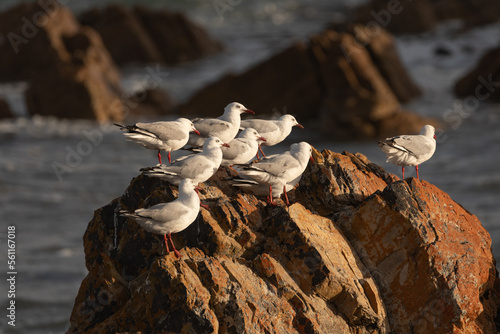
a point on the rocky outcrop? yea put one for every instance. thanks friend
(5, 111)
(414, 17)
(483, 82)
(351, 83)
(71, 73)
(144, 35)
(358, 251)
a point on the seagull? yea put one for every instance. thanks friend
(410, 150)
(198, 167)
(168, 136)
(225, 127)
(275, 131)
(243, 148)
(279, 170)
(172, 217)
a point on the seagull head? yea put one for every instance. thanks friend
(250, 133)
(187, 185)
(428, 131)
(188, 124)
(213, 142)
(237, 107)
(289, 118)
(302, 150)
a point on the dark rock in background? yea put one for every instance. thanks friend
(415, 17)
(70, 72)
(143, 35)
(483, 82)
(5, 111)
(351, 83)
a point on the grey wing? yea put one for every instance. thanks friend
(237, 146)
(278, 165)
(193, 165)
(163, 212)
(164, 130)
(211, 125)
(261, 125)
(416, 145)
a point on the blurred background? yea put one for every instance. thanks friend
(66, 74)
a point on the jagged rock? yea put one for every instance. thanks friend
(414, 17)
(145, 35)
(483, 82)
(347, 81)
(71, 73)
(87, 88)
(358, 252)
(5, 111)
(31, 39)
(123, 34)
(385, 57)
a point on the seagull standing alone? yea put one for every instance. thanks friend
(224, 127)
(275, 131)
(172, 217)
(199, 167)
(243, 148)
(410, 150)
(168, 136)
(279, 170)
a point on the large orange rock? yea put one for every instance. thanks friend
(431, 257)
(358, 251)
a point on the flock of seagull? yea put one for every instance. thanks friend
(216, 142)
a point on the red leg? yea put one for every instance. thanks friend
(416, 168)
(258, 154)
(403, 168)
(166, 243)
(270, 198)
(260, 149)
(286, 196)
(201, 204)
(169, 159)
(159, 156)
(176, 252)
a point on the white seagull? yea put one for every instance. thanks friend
(224, 127)
(275, 131)
(410, 150)
(168, 136)
(199, 167)
(243, 148)
(172, 217)
(279, 170)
